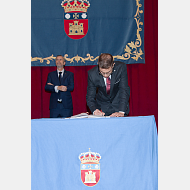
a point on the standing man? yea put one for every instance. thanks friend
(60, 83)
(108, 91)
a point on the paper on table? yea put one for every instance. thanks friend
(85, 115)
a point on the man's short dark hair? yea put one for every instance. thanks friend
(105, 61)
(61, 56)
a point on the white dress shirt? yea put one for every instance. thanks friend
(58, 76)
(105, 80)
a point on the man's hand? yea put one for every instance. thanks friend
(62, 88)
(117, 114)
(98, 112)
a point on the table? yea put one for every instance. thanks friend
(101, 153)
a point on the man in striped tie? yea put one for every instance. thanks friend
(108, 91)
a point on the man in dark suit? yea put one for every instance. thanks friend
(104, 98)
(60, 83)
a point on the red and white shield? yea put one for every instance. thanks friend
(90, 168)
(90, 174)
(75, 18)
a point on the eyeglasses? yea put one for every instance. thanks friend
(106, 73)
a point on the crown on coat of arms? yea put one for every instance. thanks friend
(89, 157)
(75, 5)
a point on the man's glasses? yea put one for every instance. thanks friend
(106, 73)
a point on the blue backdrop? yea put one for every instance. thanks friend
(115, 27)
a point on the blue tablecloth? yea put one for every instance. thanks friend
(127, 147)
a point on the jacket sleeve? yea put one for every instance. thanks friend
(91, 94)
(70, 86)
(124, 90)
(49, 88)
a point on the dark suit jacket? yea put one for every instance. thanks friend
(118, 100)
(66, 80)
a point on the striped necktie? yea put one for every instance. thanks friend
(108, 84)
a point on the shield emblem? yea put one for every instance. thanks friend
(75, 18)
(90, 174)
(90, 168)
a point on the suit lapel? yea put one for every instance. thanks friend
(65, 74)
(112, 80)
(102, 83)
(56, 77)
(100, 77)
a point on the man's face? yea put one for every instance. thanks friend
(59, 62)
(106, 72)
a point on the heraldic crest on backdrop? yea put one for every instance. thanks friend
(81, 30)
(75, 18)
(90, 168)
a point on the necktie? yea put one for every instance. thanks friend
(60, 76)
(108, 82)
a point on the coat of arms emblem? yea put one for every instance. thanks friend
(75, 18)
(90, 168)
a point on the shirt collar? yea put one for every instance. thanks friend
(60, 71)
(105, 77)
